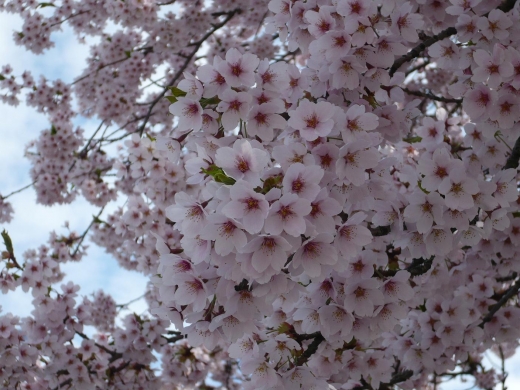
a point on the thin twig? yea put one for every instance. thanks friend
(496, 307)
(18, 190)
(82, 237)
(431, 96)
(179, 72)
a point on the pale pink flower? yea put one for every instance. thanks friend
(439, 241)
(244, 347)
(458, 189)
(495, 25)
(385, 50)
(287, 214)
(406, 23)
(354, 159)
(214, 83)
(238, 69)
(506, 111)
(189, 112)
(281, 347)
(191, 86)
(262, 374)
(424, 210)
(460, 7)
(320, 22)
(310, 319)
(466, 27)
(302, 180)
(335, 319)
(398, 288)
(191, 290)
(323, 210)
(361, 297)
(268, 251)
(356, 10)
(345, 72)
(352, 236)
(234, 106)
(436, 168)
(313, 120)
(248, 206)
(170, 146)
(188, 213)
(506, 190)
(226, 232)
(286, 155)
(445, 52)
(361, 267)
(242, 161)
(493, 68)
(355, 122)
(264, 118)
(334, 45)
(313, 254)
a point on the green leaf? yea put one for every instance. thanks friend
(43, 5)
(218, 174)
(2, 77)
(53, 130)
(412, 140)
(176, 92)
(8, 243)
(128, 53)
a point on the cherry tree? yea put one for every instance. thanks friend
(322, 193)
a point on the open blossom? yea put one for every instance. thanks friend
(188, 213)
(424, 210)
(238, 69)
(189, 112)
(346, 71)
(268, 251)
(226, 232)
(313, 254)
(313, 120)
(352, 236)
(495, 25)
(354, 159)
(242, 161)
(494, 68)
(287, 214)
(361, 297)
(406, 23)
(303, 181)
(249, 206)
(263, 119)
(355, 122)
(234, 107)
(458, 189)
(191, 290)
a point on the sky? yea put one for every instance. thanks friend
(32, 223)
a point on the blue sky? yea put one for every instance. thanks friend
(32, 223)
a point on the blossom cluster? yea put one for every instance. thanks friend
(328, 196)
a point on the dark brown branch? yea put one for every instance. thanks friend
(311, 349)
(512, 160)
(431, 96)
(181, 70)
(507, 5)
(417, 50)
(496, 307)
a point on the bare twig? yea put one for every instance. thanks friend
(181, 70)
(431, 96)
(496, 307)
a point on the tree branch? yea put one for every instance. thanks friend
(179, 72)
(496, 307)
(431, 96)
(507, 5)
(512, 160)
